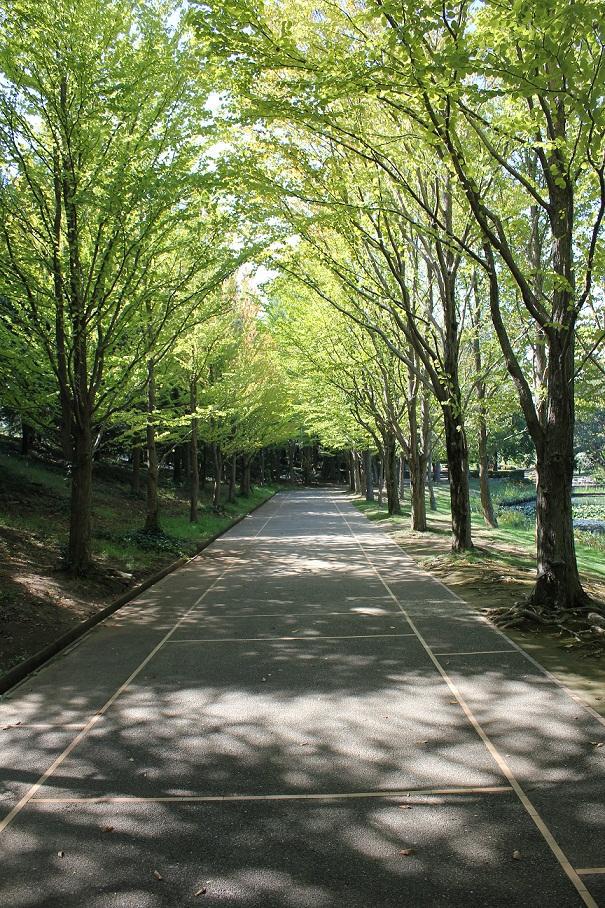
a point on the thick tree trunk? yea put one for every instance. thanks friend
(152, 523)
(369, 475)
(417, 464)
(457, 465)
(357, 473)
(135, 476)
(390, 474)
(79, 552)
(558, 583)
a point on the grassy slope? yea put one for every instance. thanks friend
(500, 571)
(38, 602)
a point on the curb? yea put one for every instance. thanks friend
(21, 671)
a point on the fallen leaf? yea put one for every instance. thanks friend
(453, 701)
(108, 829)
(421, 742)
(158, 875)
(597, 743)
(407, 852)
(61, 854)
(405, 807)
(517, 855)
(202, 891)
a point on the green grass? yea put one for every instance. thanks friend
(35, 503)
(515, 529)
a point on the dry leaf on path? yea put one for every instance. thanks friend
(201, 891)
(407, 852)
(517, 855)
(158, 875)
(61, 854)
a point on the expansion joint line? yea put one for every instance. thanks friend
(531, 810)
(27, 797)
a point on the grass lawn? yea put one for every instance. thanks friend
(499, 571)
(38, 601)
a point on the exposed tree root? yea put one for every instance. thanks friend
(582, 626)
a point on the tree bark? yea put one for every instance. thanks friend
(79, 551)
(457, 465)
(390, 474)
(558, 583)
(152, 523)
(369, 475)
(28, 435)
(484, 489)
(194, 486)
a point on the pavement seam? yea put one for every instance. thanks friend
(303, 796)
(27, 797)
(575, 697)
(269, 639)
(490, 746)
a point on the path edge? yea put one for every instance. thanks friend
(23, 669)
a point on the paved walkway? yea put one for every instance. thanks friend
(300, 718)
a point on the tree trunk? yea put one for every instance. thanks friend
(390, 474)
(558, 582)
(232, 476)
(369, 475)
(351, 469)
(194, 486)
(430, 486)
(381, 479)
(152, 524)
(79, 551)
(402, 478)
(218, 476)
(437, 471)
(135, 476)
(203, 466)
(457, 465)
(28, 436)
(358, 481)
(417, 464)
(486, 497)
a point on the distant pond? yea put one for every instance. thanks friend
(588, 510)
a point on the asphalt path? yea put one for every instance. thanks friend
(299, 717)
